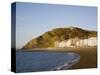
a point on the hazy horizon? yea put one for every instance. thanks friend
(33, 19)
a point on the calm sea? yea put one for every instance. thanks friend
(44, 61)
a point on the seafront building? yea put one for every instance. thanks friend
(76, 42)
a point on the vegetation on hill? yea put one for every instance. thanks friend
(58, 34)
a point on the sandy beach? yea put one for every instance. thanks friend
(88, 55)
(88, 58)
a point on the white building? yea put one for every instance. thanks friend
(92, 41)
(76, 42)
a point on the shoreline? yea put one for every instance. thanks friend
(88, 56)
(57, 49)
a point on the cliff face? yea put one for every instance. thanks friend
(49, 38)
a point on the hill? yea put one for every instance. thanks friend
(58, 34)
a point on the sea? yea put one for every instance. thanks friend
(30, 61)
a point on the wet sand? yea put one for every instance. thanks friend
(88, 58)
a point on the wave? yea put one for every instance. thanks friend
(68, 64)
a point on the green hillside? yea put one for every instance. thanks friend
(58, 34)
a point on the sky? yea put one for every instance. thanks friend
(33, 19)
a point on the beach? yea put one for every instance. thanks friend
(88, 58)
(88, 55)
